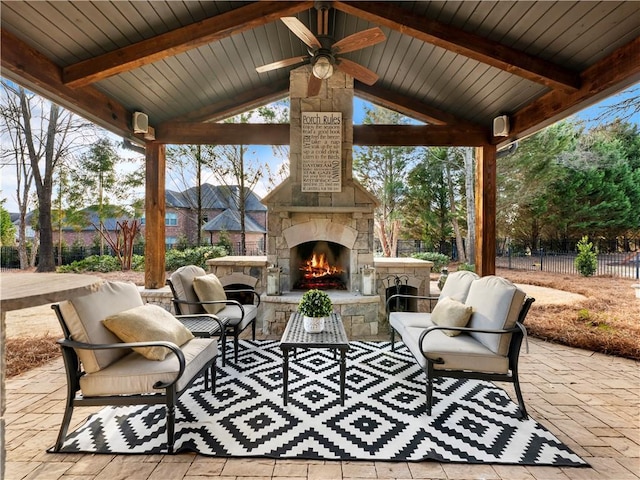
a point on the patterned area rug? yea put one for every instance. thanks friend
(383, 417)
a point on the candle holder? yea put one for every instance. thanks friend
(273, 280)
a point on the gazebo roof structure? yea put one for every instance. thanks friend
(456, 66)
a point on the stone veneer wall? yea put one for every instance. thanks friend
(344, 217)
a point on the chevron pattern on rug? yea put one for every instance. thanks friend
(383, 417)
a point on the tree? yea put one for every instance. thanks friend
(7, 228)
(231, 168)
(382, 170)
(43, 134)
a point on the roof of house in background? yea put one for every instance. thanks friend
(229, 221)
(214, 197)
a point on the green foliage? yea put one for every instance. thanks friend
(94, 263)
(175, 259)
(315, 303)
(224, 241)
(587, 260)
(439, 260)
(7, 229)
(467, 266)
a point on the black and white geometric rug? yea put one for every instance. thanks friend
(383, 417)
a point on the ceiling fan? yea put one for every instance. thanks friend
(325, 54)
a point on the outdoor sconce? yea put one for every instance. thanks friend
(368, 279)
(322, 68)
(273, 280)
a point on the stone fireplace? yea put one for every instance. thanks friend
(322, 209)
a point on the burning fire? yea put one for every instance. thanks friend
(318, 266)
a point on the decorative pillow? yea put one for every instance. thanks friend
(148, 323)
(208, 288)
(451, 313)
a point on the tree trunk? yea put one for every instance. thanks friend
(453, 206)
(471, 201)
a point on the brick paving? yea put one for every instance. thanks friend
(589, 400)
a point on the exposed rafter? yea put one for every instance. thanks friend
(621, 67)
(179, 40)
(239, 104)
(30, 68)
(463, 43)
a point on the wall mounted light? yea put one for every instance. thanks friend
(322, 67)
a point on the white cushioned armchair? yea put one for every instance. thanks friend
(485, 345)
(102, 369)
(187, 302)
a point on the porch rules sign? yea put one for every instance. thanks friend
(321, 151)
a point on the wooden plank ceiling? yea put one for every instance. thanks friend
(453, 65)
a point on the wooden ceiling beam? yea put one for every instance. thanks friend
(419, 135)
(278, 134)
(244, 102)
(223, 133)
(615, 72)
(464, 43)
(407, 105)
(28, 67)
(178, 41)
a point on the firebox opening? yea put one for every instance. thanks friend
(320, 264)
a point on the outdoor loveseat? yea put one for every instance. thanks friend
(476, 335)
(146, 356)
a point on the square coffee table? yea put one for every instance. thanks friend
(332, 337)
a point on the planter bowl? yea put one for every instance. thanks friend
(313, 324)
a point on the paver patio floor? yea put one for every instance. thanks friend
(589, 400)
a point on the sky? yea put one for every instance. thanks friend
(262, 154)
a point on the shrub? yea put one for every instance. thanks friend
(587, 260)
(175, 259)
(439, 259)
(315, 303)
(93, 263)
(467, 266)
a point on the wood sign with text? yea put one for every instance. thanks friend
(321, 151)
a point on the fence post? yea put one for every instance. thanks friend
(637, 265)
(541, 251)
(509, 254)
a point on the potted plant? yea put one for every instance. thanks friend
(315, 305)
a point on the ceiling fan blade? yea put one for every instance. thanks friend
(313, 88)
(365, 38)
(301, 31)
(357, 71)
(281, 63)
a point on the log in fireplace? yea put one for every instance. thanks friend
(320, 264)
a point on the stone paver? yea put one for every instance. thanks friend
(590, 401)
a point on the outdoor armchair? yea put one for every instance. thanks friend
(209, 298)
(102, 369)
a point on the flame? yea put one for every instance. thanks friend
(318, 266)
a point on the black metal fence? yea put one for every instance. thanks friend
(622, 264)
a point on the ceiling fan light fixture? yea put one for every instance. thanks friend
(322, 67)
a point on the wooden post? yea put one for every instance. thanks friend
(485, 258)
(154, 264)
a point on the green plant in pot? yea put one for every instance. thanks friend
(314, 306)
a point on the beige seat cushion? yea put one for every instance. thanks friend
(400, 321)
(182, 281)
(234, 314)
(208, 288)
(148, 323)
(451, 313)
(135, 374)
(458, 353)
(84, 315)
(496, 305)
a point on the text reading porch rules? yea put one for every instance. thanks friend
(321, 151)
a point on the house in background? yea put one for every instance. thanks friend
(219, 214)
(85, 232)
